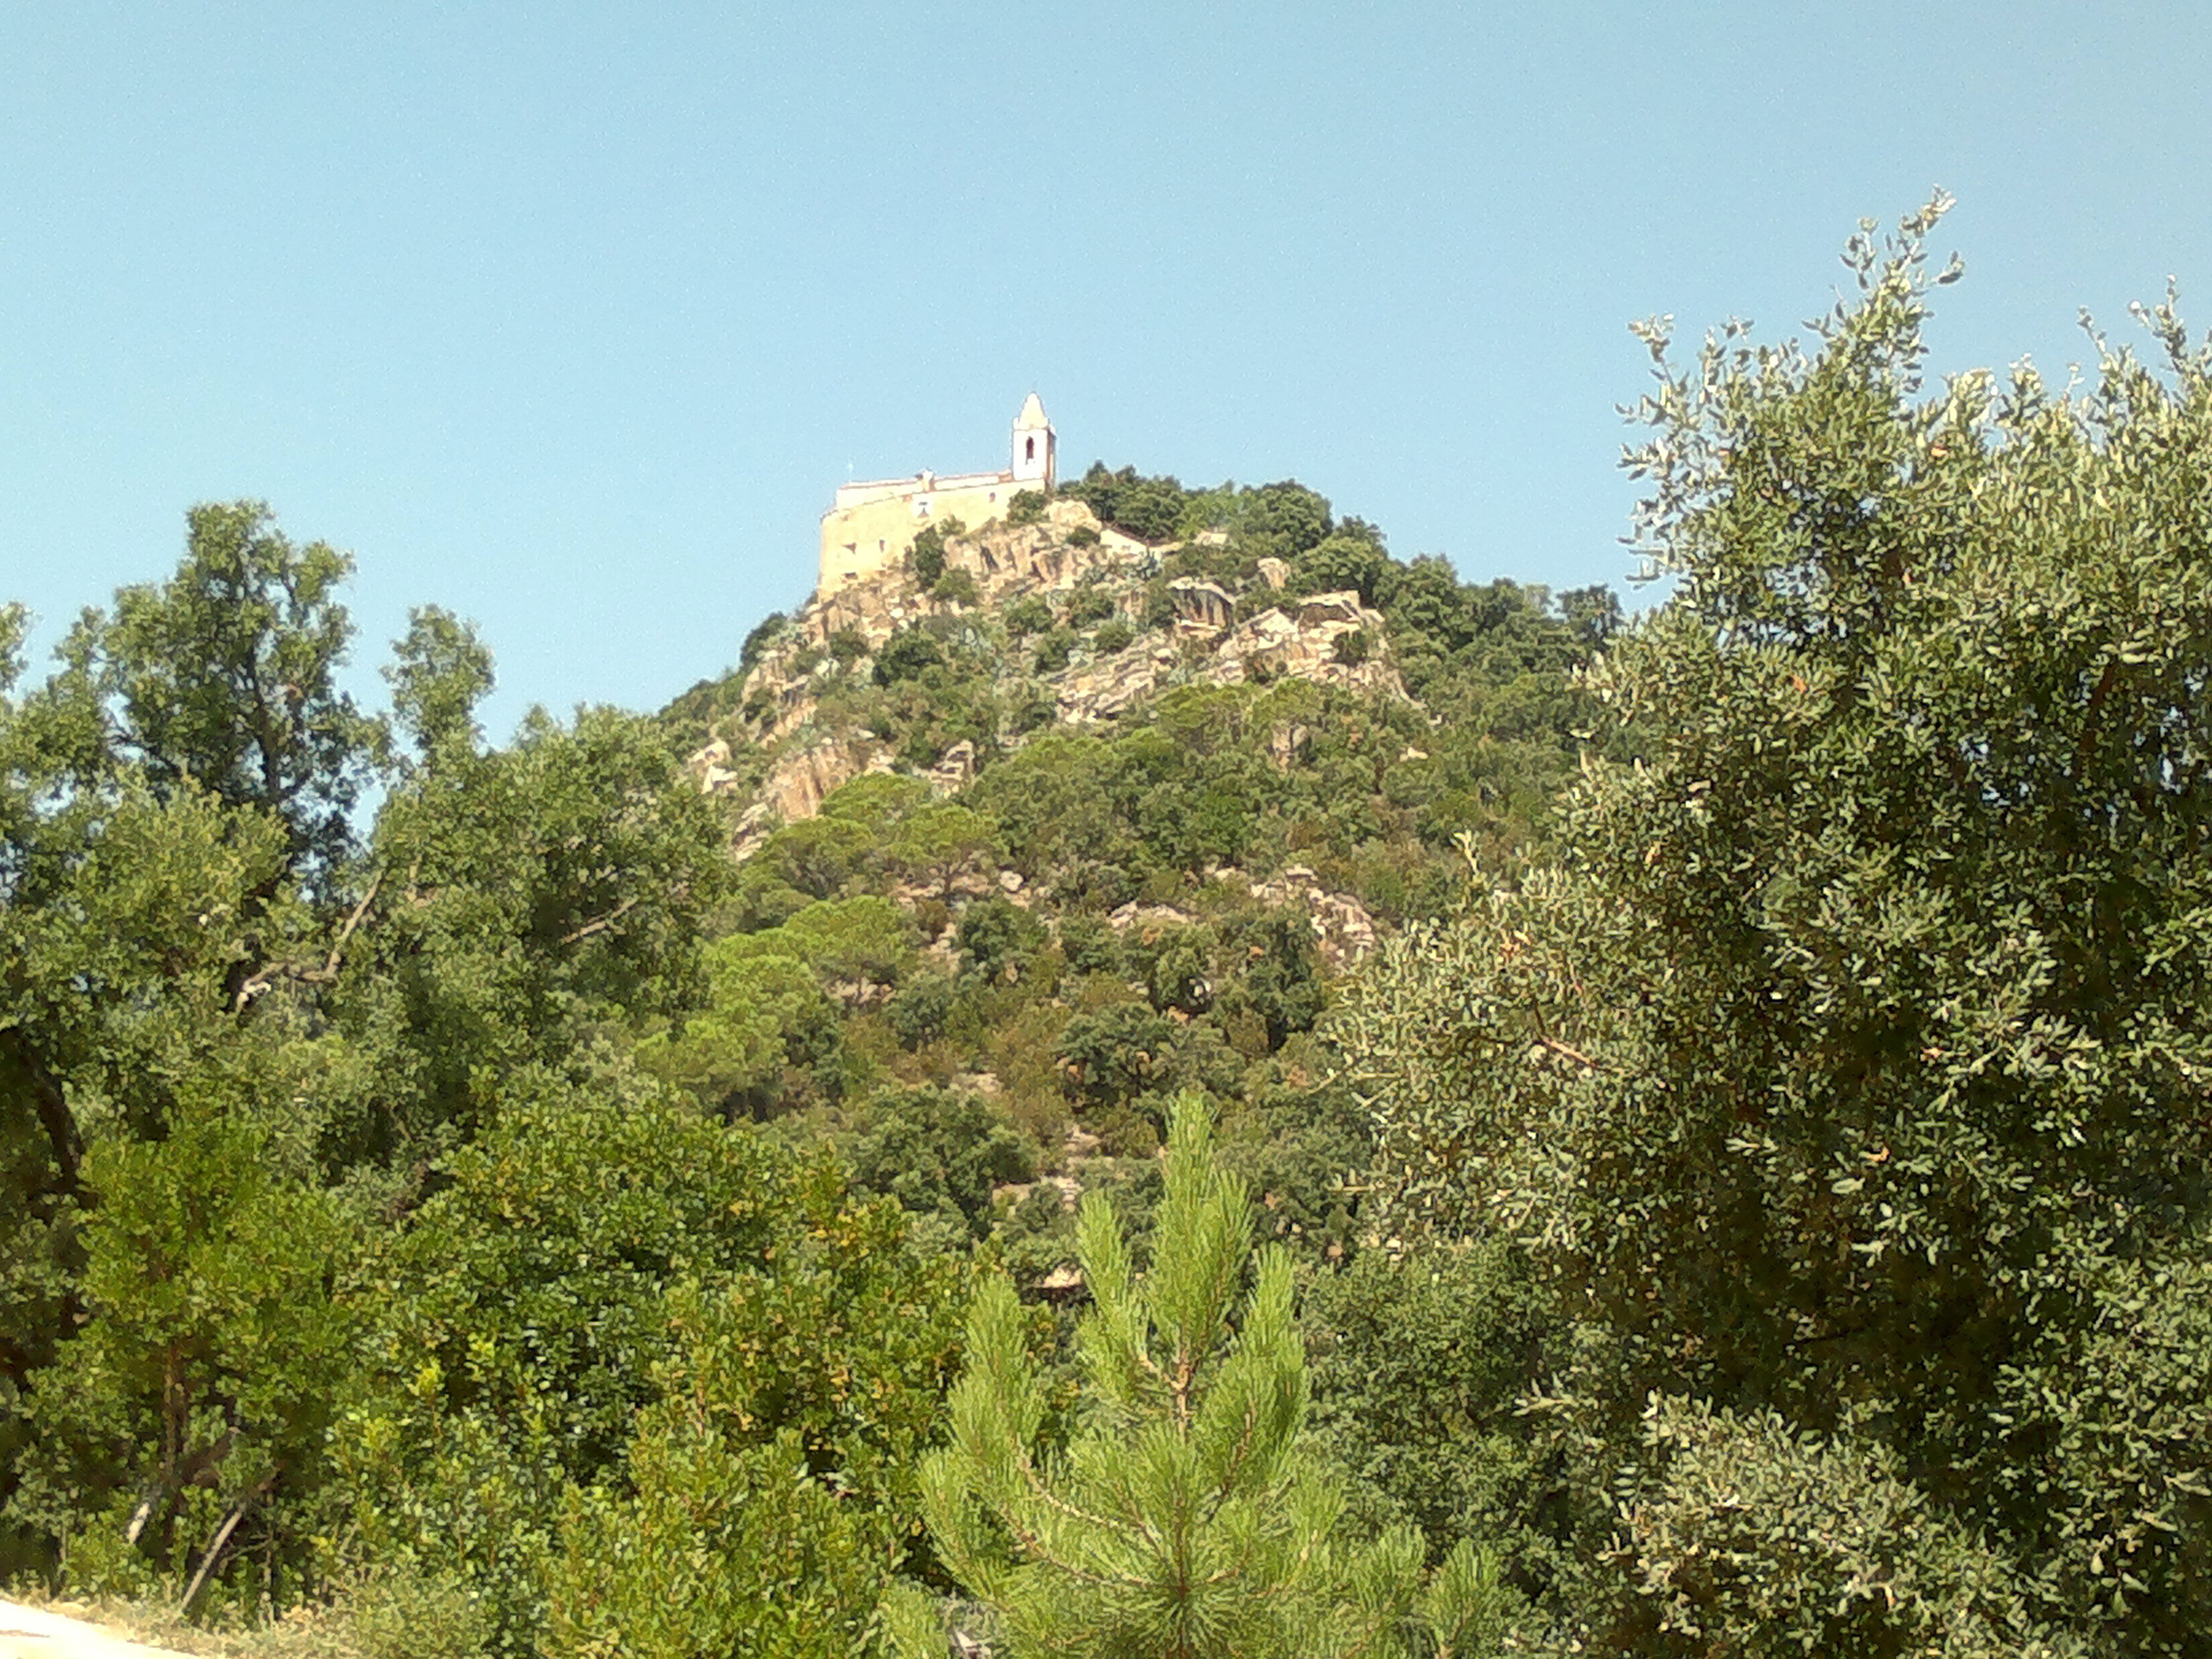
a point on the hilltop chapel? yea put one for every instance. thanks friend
(871, 526)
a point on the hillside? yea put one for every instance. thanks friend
(1049, 823)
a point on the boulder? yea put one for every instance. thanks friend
(1202, 606)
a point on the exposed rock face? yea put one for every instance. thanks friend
(1101, 689)
(799, 783)
(1202, 607)
(1302, 641)
(1210, 643)
(1343, 929)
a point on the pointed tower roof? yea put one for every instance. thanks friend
(1032, 419)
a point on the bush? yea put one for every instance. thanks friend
(1089, 603)
(1027, 615)
(906, 654)
(1112, 636)
(1053, 651)
(938, 1154)
(763, 634)
(1090, 945)
(927, 556)
(918, 1011)
(1083, 536)
(957, 587)
(1026, 508)
(996, 936)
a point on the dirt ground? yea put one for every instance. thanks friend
(37, 1633)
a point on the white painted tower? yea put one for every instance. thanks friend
(1033, 446)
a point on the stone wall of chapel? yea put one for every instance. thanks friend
(857, 542)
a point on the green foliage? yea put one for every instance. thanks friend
(225, 679)
(1841, 1078)
(846, 647)
(922, 1009)
(198, 1393)
(519, 1315)
(957, 587)
(1420, 1367)
(1149, 508)
(938, 1153)
(1088, 603)
(767, 1037)
(1090, 946)
(1026, 616)
(996, 936)
(761, 634)
(1111, 636)
(927, 556)
(1342, 561)
(1053, 652)
(906, 654)
(440, 672)
(1184, 1518)
(770, 1489)
(1026, 506)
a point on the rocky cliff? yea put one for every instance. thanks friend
(1064, 571)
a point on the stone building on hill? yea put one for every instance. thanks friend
(871, 526)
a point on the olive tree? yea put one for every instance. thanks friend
(1848, 1074)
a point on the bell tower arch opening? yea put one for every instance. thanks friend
(1033, 446)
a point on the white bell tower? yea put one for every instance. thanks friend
(1033, 446)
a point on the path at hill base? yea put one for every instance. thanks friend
(35, 1633)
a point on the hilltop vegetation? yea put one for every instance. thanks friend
(435, 1212)
(1679, 1137)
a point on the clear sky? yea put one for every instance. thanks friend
(570, 317)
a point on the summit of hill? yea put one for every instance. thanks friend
(1092, 801)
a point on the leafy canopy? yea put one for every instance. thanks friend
(1847, 1074)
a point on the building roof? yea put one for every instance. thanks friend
(1032, 419)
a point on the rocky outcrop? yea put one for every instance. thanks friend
(1203, 608)
(1307, 639)
(800, 780)
(1101, 689)
(955, 772)
(1343, 930)
(1216, 638)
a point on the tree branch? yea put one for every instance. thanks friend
(600, 924)
(52, 1107)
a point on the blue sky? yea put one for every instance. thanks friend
(571, 317)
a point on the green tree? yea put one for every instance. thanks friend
(936, 841)
(1844, 1076)
(439, 672)
(997, 936)
(519, 1313)
(195, 1399)
(1184, 1518)
(769, 1490)
(226, 677)
(906, 654)
(938, 1153)
(927, 556)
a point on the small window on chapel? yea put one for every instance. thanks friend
(1028, 450)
